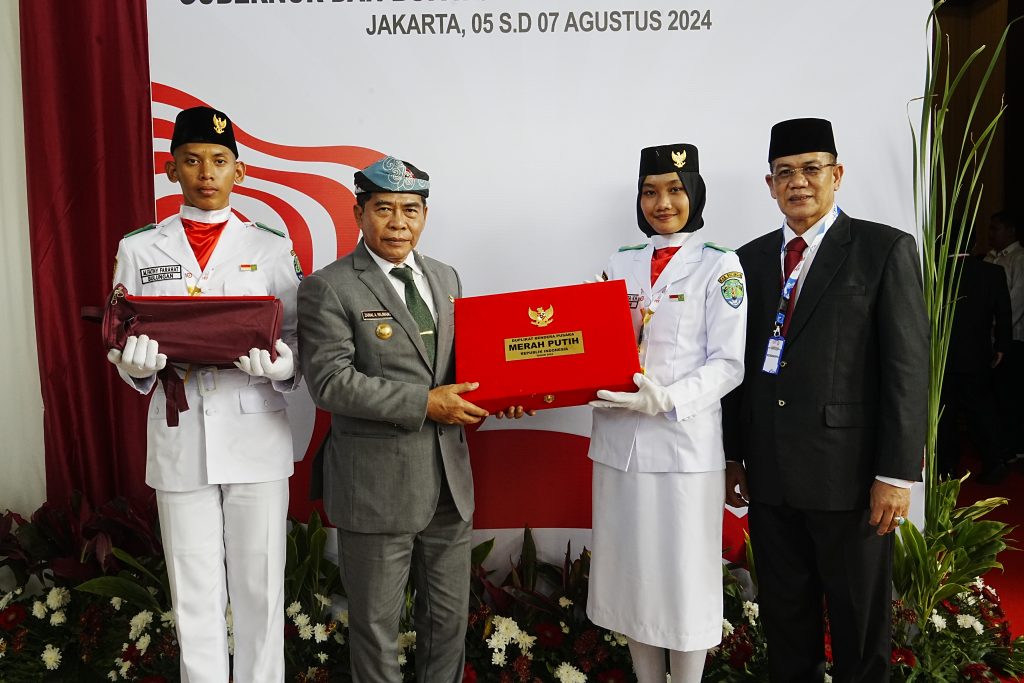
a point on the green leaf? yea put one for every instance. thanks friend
(480, 552)
(120, 587)
(528, 560)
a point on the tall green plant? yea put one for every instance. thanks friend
(947, 194)
(956, 546)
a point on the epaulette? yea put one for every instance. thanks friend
(261, 226)
(717, 247)
(144, 228)
(633, 247)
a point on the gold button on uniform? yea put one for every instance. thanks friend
(384, 331)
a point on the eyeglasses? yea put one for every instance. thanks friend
(811, 172)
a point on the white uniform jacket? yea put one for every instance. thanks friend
(236, 429)
(692, 344)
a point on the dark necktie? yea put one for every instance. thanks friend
(794, 252)
(660, 260)
(418, 308)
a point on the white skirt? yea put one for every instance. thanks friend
(656, 570)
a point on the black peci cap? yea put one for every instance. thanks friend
(203, 124)
(668, 159)
(800, 136)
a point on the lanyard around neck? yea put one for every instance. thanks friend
(794, 277)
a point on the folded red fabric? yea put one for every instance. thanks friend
(193, 330)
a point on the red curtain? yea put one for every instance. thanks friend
(89, 158)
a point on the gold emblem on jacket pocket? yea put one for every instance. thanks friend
(384, 331)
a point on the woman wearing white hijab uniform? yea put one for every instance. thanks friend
(656, 573)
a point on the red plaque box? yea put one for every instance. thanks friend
(545, 348)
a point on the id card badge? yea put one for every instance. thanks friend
(773, 355)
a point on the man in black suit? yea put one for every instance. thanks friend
(982, 317)
(828, 426)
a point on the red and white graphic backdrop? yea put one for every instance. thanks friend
(529, 115)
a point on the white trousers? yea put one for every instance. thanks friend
(222, 541)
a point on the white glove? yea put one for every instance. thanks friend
(258, 363)
(650, 398)
(140, 357)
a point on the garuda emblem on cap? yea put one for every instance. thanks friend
(679, 158)
(219, 124)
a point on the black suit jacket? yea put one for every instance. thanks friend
(982, 309)
(850, 400)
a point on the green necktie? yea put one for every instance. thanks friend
(418, 308)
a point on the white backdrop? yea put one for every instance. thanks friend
(532, 137)
(21, 404)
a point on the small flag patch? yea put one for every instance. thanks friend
(247, 267)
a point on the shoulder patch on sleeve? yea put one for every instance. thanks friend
(144, 228)
(269, 229)
(633, 247)
(717, 247)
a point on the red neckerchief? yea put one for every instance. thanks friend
(203, 238)
(660, 260)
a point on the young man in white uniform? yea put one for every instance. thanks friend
(221, 475)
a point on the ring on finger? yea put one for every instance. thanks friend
(899, 520)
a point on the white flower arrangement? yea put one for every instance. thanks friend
(407, 640)
(293, 609)
(507, 631)
(751, 610)
(320, 633)
(323, 600)
(727, 627)
(966, 621)
(938, 621)
(567, 673)
(564, 602)
(51, 657)
(58, 597)
(139, 623)
(39, 610)
(58, 618)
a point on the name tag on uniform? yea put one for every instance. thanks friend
(773, 355)
(377, 315)
(634, 300)
(159, 273)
